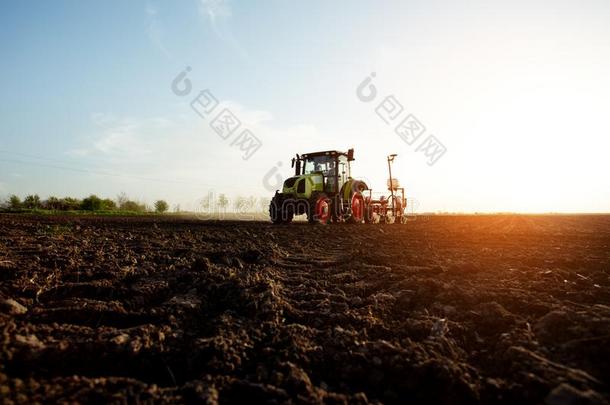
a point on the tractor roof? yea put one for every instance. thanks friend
(324, 153)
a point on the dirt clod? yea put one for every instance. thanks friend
(12, 307)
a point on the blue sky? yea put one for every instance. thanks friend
(517, 92)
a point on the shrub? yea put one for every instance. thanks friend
(52, 203)
(92, 203)
(70, 204)
(223, 201)
(32, 202)
(133, 206)
(161, 206)
(121, 199)
(14, 202)
(108, 204)
(125, 204)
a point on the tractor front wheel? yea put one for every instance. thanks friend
(277, 213)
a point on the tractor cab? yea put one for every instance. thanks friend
(333, 166)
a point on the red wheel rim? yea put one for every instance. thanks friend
(322, 210)
(358, 207)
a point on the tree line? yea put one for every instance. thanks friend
(211, 203)
(91, 203)
(221, 203)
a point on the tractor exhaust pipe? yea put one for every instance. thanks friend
(391, 185)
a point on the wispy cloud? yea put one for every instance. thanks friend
(155, 31)
(218, 13)
(215, 10)
(116, 137)
(185, 149)
(120, 137)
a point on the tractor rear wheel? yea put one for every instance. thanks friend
(357, 209)
(319, 210)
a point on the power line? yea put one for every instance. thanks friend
(102, 173)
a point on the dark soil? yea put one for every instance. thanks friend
(492, 309)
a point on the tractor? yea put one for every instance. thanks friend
(323, 189)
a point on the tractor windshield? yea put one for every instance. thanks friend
(323, 164)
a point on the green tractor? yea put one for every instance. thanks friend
(323, 189)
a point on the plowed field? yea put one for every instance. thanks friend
(452, 309)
